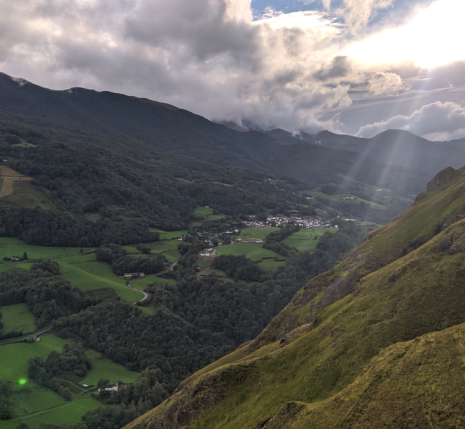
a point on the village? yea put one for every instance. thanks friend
(291, 220)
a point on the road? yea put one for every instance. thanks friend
(146, 295)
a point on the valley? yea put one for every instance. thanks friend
(143, 245)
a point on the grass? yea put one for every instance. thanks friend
(304, 239)
(257, 233)
(67, 413)
(17, 317)
(222, 184)
(84, 272)
(169, 235)
(270, 264)
(207, 213)
(6, 266)
(26, 195)
(24, 143)
(204, 264)
(105, 368)
(17, 355)
(142, 283)
(317, 193)
(14, 247)
(254, 251)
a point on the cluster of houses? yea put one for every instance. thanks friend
(349, 198)
(283, 221)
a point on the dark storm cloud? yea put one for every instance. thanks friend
(339, 68)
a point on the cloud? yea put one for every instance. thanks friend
(385, 84)
(435, 121)
(208, 56)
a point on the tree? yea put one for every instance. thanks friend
(67, 394)
(25, 258)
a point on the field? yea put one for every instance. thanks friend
(270, 264)
(18, 354)
(14, 247)
(105, 368)
(253, 251)
(66, 413)
(84, 272)
(305, 238)
(258, 233)
(141, 284)
(17, 318)
(356, 200)
(35, 405)
(207, 213)
(169, 235)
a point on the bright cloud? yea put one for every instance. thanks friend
(436, 121)
(432, 38)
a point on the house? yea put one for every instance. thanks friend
(112, 387)
(134, 275)
(15, 258)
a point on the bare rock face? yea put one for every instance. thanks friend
(442, 178)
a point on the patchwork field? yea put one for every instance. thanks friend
(17, 317)
(340, 198)
(307, 238)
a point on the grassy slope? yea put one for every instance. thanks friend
(403, 298)
(17, 318)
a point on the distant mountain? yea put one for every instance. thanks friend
(377, 341)
(392, 147)
(168, 128)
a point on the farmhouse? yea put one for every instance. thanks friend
(134, 275)
(15, 258)
(112, 387)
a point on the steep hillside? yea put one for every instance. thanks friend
(360, 345)
(166, 128)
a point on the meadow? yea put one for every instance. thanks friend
(207, 213)
(17, 317)
(317, 193)
(259, 233)
(254, 251)
(304, 239)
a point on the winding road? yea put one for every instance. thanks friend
(146, 295)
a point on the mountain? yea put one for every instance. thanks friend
(378, 340)
(392, 147)
(166, 128)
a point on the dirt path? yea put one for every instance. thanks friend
(10, 176)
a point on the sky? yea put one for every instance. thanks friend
(357, 67)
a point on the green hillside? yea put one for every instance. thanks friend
(376, 341)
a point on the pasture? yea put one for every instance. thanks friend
(141, 284)
(169, 235)
(14, 357)
(66, 413)
(85, 273)
(105, 368)
(17, 317)
(254, 251)
(259, 233)
(307, 238)
(270, 264)
(207, 213)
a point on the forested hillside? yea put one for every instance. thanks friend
(371, 342)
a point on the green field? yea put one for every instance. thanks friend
(66, 413)
(142, 283)
(17, 318)
(253, 251)
(222, 184)
(14, 247)
(16, 356)
(6, 266)
(207, 213)
(169, 235)
(84, 272)
(270, 264)
(305, 238)
(258, 233)
(105, 368)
